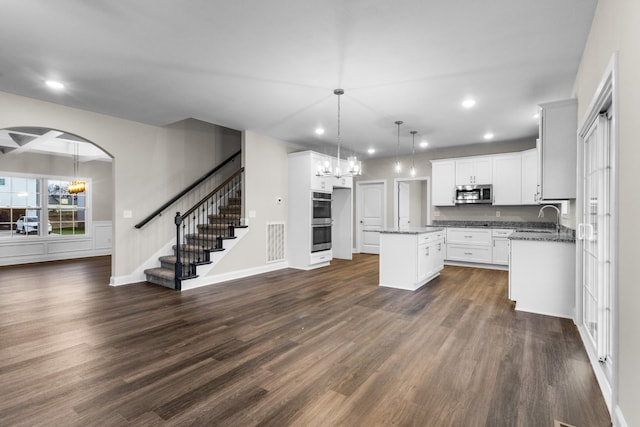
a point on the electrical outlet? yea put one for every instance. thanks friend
(497, 214)
(436, 212)
(127, 214)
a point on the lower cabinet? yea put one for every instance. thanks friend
(469, 245)
(542, 277)
(410, 260)
(500, 246)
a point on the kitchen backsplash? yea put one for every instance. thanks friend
(490, 213)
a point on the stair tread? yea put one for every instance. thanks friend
(164, 273)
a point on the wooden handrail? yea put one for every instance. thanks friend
(186, 190)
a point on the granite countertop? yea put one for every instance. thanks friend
(565, 235)
(410, 230)
(537, 231)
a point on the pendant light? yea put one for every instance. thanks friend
(398, 166)
(76, 185)
(354, 166)
(413, 153)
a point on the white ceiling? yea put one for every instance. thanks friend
(271, 66)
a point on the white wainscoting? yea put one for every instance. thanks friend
(15, 250)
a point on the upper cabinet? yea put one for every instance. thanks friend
(514, 177)
(474, 171)
(319, 183)
(443, 182)
(343, 181)
(507, 179)
(557, 150)
(529, 177)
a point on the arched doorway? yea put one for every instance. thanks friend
(40, 218)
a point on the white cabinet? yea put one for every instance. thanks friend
(469, 245)
(302, 183)
(557, 150)
(529, 182)
(443, 182)
(410, 260)
(311, 162)
(542, 277)
(500, 246)
(507, 179)
(343, 182)
(474, 171)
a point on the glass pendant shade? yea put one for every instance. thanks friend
(398, 166)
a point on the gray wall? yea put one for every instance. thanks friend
(615, 29)
(150, 164)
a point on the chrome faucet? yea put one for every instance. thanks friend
(541, 215)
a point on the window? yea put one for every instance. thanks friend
(19, 200)
(26, 210)
(66, 211)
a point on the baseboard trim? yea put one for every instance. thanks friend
(232, 275)
(476, 265)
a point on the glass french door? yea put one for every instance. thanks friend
(594, 231)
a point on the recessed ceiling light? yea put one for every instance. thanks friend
(371, 150)
(319, 131)
(54, 84)
(468, 103)
(488, 135)
(536, 115)
(424, 144)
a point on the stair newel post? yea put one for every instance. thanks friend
(178, 268)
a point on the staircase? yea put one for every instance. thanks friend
(201, 230)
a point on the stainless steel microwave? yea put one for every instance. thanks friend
(474, 194)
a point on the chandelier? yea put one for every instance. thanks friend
(76, 186)
(353, 166)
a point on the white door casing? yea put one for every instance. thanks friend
(404, 205)
(597, 234)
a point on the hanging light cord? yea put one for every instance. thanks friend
(413, 150)
(338, 92)
(75, 161)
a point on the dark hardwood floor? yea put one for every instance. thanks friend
(320, 348)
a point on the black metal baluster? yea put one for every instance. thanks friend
(178, 266)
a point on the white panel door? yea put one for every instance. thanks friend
(404, 205)
(371, 211)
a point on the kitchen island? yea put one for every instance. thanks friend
(410, 257)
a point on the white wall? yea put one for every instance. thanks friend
(150, 165)
(615, 28)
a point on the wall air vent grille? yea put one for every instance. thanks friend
(275, 242)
